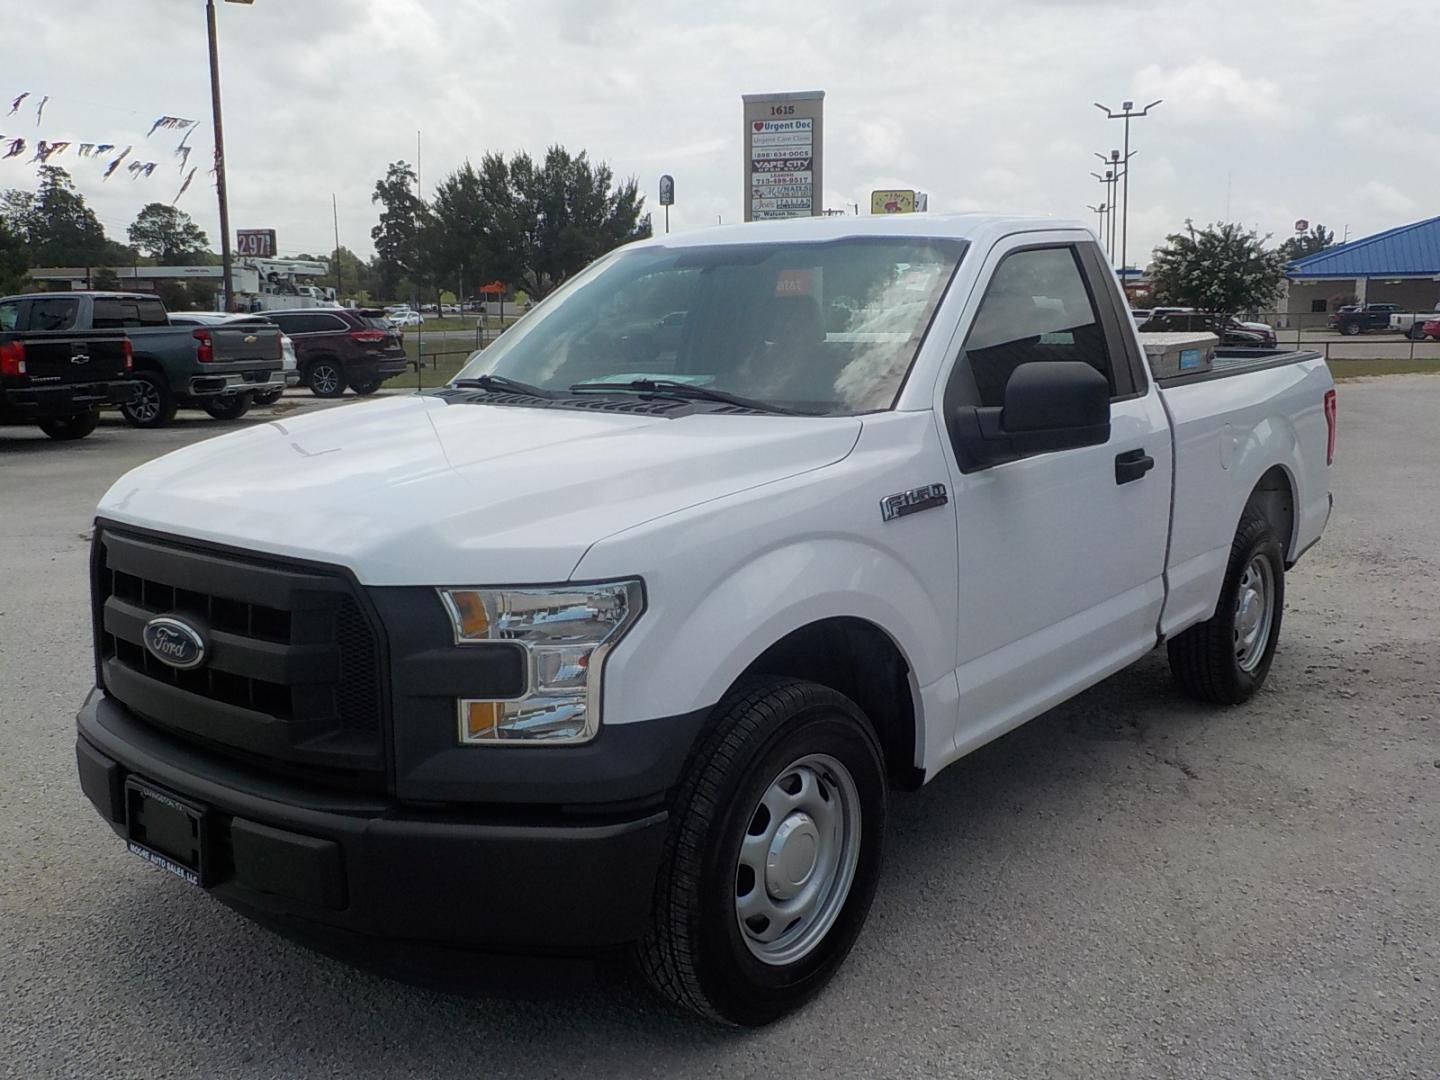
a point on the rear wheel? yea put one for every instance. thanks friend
(1226, 658)
(773, 855)
(1417, 332)
(66, 428)
(326, 378)
(365, 387)
(153, 405)
(1350, 329)
(227, 406)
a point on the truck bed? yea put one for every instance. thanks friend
(1224, 423)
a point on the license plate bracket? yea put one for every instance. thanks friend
(167, 831)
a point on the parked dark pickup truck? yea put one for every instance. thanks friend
(1353, 319)
(54, 377)
(218, 369)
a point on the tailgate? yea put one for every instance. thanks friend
(74, 356)
(234, 344)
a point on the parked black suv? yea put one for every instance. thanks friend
(340, 347)
(1353, 319)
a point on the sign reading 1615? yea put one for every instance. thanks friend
(782, 110)
(256, 243)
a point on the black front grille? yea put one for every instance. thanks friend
(294, 671)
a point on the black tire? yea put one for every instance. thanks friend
(227, 406)
(1350, 329)
(268, 397)
(325, 377)
(152, 405)
(695, 951)
(1206, 659)
(66, 428)
(1416, 332)
(366, 387)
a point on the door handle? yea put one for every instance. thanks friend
(1132, 465)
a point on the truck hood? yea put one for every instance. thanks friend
(412, 490)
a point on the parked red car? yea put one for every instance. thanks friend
(339, 347)
(1431, 329)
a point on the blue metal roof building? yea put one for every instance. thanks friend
(1408, 251)
(1398, 266)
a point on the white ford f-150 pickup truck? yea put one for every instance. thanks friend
(622, 640)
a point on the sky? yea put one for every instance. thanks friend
(1273, 110)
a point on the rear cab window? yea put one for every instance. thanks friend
(9, 315)
(54, 314)
(125, 312)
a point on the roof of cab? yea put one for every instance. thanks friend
(973, 227)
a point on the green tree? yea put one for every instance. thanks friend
(57, 225)
(168, 235)
(531, 225)
(14, 258)
(1221, 269)
(105, 279)
(397, 235)
(1307, 243)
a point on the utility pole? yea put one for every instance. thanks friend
(225, 253)
(1126, 113)
(1099, 212)
(339, 265)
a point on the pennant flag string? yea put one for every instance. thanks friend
(40, 109)
(84, 149)
(116, 163)
(17, 147)
(175, 122)
(185, 186)
(15, 105)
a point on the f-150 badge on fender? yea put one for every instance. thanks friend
(913, 501)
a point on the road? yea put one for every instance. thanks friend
(1129, 886)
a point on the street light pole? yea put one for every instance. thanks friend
(1108, 236)
(225, 254)
(1099, 212)
(1128, 111)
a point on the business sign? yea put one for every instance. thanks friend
(1301, 225)
(667, 190)
(892, 202)
(783, 152)
(255, 243)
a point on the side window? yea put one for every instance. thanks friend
(285, 322)
(151, 313)
(9, 314)
(56, 314)
(1037, 307)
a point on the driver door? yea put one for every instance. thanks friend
(1062, 553)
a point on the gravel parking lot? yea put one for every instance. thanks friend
(1130, 886)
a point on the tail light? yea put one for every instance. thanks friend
(368, 335)
(12, 358)
(204, 351)
(129, 355)
(1330, 425)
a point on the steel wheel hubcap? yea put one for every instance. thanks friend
(1254, 612)
(797, 859)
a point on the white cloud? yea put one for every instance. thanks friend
(1211, 92)
(1384, 198)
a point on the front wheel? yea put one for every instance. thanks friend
(228, 406)
(152, 405)
(66, 428)
(326, 378)
(1225, 659)
(1350, 329)
(773, 855)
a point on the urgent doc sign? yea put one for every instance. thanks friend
(783, 151)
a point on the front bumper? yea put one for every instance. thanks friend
(335, 867)
(66, 399)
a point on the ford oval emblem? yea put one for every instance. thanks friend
(175, 642)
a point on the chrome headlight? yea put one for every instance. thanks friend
(566, 631)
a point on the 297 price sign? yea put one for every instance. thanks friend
(256, 243)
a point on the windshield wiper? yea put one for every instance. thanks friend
(690, 391)
(501, 384)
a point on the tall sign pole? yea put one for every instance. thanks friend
(1127, 111)
(225, 253)
(784, 154)
(667, 197)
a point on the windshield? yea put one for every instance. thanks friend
(826, 327)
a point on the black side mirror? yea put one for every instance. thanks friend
(1049, 406)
